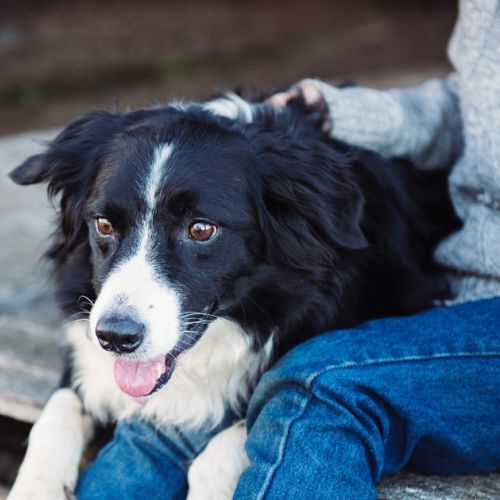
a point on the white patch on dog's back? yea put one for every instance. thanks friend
(231, 106)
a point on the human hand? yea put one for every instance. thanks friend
(308, 94)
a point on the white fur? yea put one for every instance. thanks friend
(161, 155)
(231, 106)
(56, 443)
(214, 473)
(134, 285)
(208, 378)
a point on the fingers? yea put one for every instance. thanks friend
(307, 92)
(311, 98)
(281, 99)
(311, 94)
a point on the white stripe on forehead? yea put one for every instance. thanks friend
(135, 283)
(161, 155)
(153, 181)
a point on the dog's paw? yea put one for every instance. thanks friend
(56, 442)
(214, 473)
(40, 489)
(68, 492)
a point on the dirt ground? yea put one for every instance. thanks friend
(60, 58)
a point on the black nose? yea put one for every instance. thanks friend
(122, 335)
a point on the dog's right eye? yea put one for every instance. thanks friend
(202, 231)
(104, 226)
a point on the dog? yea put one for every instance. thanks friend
(206, 240)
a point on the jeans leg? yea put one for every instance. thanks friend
(344, 408)
(143, 461)
(139, 462)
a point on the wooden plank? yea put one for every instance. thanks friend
(410, 486)
(24, 387)
(14, 407)
(30, 359)
(3, 493)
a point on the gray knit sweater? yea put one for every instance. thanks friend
(456, 120)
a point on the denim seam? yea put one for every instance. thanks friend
(281, 452)
(387, 361)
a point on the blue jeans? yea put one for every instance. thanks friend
(144, 462)
(343, 409)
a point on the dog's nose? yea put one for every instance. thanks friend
(121, 335)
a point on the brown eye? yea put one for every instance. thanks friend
(104, 226)
(202, 231)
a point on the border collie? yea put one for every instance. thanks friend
(206, 240)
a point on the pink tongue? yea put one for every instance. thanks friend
(138, 378)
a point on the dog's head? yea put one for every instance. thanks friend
(173, 217)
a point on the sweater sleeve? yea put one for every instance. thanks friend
(422, 123)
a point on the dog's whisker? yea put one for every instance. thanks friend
(81, 320)
(195, 323)
(78, 314)
(85, 300)
(194, 318)
(171, 356)
(203, 314)
(261, 309)
(187, 337)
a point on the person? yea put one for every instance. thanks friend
(347, 407)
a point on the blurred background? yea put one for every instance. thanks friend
(60, 58)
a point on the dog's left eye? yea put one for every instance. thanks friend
(104, 226)
(202, 231)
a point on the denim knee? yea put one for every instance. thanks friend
(300, 428)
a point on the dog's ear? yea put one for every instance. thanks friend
(311, 204)
(69, 166)
(70, 153)
(30, 171)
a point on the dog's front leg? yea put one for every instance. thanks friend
(214, 473)
(56, 443)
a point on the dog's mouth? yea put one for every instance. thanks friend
(140, 379)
